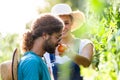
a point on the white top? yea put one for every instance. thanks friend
(63, 59)
(47, 58)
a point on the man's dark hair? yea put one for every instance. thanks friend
(45, 23)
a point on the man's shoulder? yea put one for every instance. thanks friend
(29, 58)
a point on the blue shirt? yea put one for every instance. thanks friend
(32, 67)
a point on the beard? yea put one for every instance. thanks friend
(49, 47)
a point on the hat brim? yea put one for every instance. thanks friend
(10, 67)
(78, 19)
(15, 60)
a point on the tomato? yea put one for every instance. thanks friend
(62, 48)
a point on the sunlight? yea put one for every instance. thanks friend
(15, 14)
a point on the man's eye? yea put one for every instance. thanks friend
(59, 39)
(66, 23)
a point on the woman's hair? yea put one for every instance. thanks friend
(71, 17)
(45, 23)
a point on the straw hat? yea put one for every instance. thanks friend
(64, 9)
(15, 60)
(8, 69)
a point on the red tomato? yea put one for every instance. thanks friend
(62, 48)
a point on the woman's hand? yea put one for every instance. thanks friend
(61, 49)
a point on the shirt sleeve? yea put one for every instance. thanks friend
(31, 70)
(83, 43)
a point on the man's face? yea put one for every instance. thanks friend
(52, 42)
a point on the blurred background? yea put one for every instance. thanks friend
(102, 27)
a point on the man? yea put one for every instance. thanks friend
(43, 37)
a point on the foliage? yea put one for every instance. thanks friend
(105, 36)
(8, 42)
(102, 27)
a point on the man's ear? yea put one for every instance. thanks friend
(45, 36)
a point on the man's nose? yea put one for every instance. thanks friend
(59, 40)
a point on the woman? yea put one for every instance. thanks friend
(79, 51)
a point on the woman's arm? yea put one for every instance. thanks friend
(85, 57)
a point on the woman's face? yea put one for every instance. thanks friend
(68, 23)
